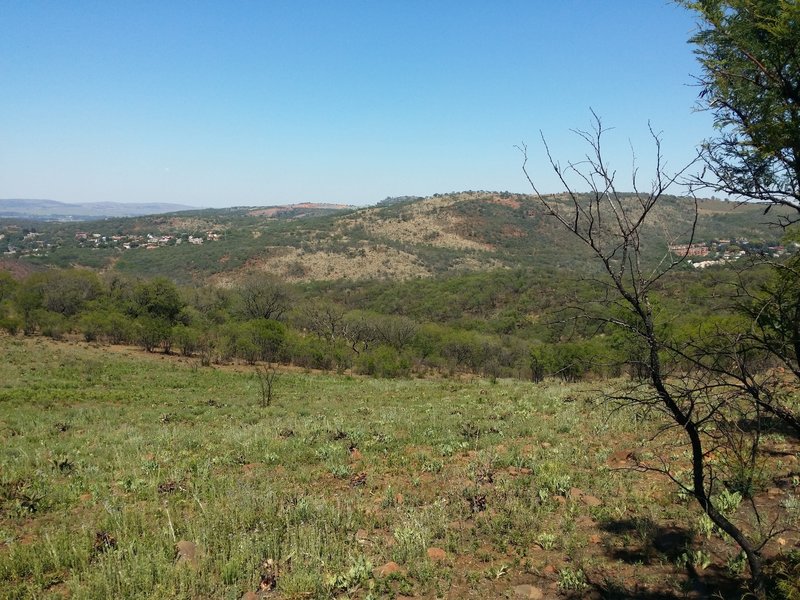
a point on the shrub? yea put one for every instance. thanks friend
(383, 361)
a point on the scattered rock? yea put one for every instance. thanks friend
(514, 471)
(585, 521)
(591, 501)
(390, 568)
(359, 479)
(103, 542)
(168, 487)
(186, 552)
(362, 536)
(437, 554)
(528, 591)
(269, 576)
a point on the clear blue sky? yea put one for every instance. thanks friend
(269, 102)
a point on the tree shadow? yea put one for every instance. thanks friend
(768, 424)
(641, 541)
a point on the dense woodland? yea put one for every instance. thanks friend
(520, 323)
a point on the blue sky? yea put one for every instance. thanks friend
(271, 102)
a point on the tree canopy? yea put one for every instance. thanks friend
(749, 51)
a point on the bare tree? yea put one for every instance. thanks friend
(693, 401)
(266, 376)
(263, 297)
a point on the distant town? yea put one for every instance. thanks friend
(722, 251)
(16, 241)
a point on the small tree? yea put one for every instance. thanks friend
(696, 402)
(266, 376)
(263, 297)
(749, 53)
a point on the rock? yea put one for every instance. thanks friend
(437, 554)
(585, 521)
(575, 492)
(390, 568)
(591, 501)
(362, 536)
(528, 591)
(186, 552)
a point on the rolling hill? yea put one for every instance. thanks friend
(414, 238)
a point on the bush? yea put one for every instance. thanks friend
(153, 332)
(51, 324)
(383, 361)
(309, 352)
(10, 325)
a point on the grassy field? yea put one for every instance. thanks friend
(130, 475)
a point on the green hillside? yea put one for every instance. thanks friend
(428, 237)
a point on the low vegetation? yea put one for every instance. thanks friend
(128, 474)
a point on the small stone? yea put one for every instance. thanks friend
(528, 591)
(546, 445)
(781, 541)
(359, 479)
(437, 554)
(591, 501)
(186, 552)
(390, 568)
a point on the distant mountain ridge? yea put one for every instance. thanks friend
(52, 210)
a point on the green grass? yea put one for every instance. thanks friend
(110, 457)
